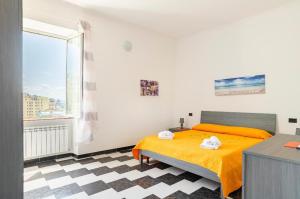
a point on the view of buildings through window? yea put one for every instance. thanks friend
(44, 76)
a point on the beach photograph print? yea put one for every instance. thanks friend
(149, 88)
(241, 85)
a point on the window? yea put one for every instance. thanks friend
(51, 76)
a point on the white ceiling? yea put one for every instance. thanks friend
(179, 17)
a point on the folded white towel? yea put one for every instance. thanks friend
(207, 146)
(165, 135)
(211, 143)
(215, 140)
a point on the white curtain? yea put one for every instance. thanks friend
(86, 124)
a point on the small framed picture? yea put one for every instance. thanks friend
(149, 88)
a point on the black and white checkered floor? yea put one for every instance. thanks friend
(113, 176)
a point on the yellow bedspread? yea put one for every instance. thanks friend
(226, 162)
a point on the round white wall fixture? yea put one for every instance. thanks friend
(127, 46)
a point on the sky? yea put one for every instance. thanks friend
(249, 80)
(44, 66)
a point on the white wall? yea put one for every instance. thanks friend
(124, 116)
(265, 44)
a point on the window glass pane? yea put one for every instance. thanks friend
(44, 76)
(74, 75)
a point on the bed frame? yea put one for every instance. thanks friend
(254, 120)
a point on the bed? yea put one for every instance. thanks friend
(191, 164)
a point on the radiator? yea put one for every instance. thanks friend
(42, 141)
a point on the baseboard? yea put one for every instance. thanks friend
(102, 152)
(33, 162)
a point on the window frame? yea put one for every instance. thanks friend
(46, 34)
(81, 71)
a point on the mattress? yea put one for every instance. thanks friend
(225, 162)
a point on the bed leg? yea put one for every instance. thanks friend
(141, 162)
(221, 193)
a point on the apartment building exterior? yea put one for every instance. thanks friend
(39, 106)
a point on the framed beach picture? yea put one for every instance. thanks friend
(149, 88)
(241, 85)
